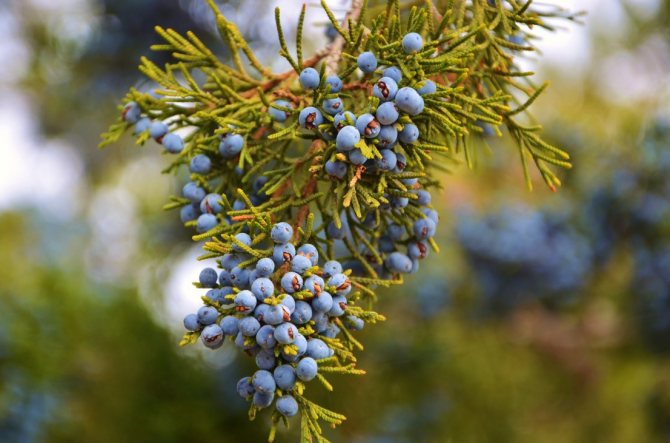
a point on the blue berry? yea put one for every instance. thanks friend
(332, 106)
(291, 282)
(238, 205)
(387, 113)
(323, 302)
(230, 325)
(387, 138)
(431, 214)
(260, 312)
(368, 126)
(385, 89)
(427, 87)
(283, 253)
(286, 333)
(193, 192)
(200, 164)
(249, 326)
(240, 277)
(395, 232)
(388, 160)
(131, 112)
(281, 233)
(398, 262)
(284, 376)
(278, 114)
(331, 268)
(417, 249)
(309, 78)
(300, 264)
(206, 222)
(302, 313)
(252, 276)
(173, 143)
(335, 232)
(191, 322)
(412, 43)
(356, 157)
(157, 130)
(343, 119)
(335, 83)
(386, 244)
(262, 288)
(423, 197)
(265, 267)
(317, 349)
(336, 169)
(314, 284)
(289, 303)
(321, 320)
(354, 323)
(409, 101)
(399, 202)
(259, 183)
(367, 62)
(410, 182)
(409, 134)
(287, 406)
(229, 261)
(339, 306)
(331, 331)
(243, 238)
(424, 228)
(306, 369)
(309, 251)
(263, 381)
(208, 277)
(265, 360)
(370, 221)
(265, 337)
(219, 295)
(244, 388)
(347, 138)
(142, 125)
(212, 336)
(231, 145)
(263, 399)
(393, 72)
(210, 204)
(245, 302)
(341, 282)
(276, 314)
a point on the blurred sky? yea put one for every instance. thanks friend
(46, 174)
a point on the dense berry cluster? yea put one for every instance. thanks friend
(346, 145)
(283, 309)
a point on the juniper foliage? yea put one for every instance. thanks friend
(269, 161)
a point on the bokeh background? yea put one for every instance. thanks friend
(545, 318)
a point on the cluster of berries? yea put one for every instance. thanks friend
(385, 125)
(398, 235)
(207, 208)
(281, 309)
(158, 130)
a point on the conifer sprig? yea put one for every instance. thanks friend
(344, 148)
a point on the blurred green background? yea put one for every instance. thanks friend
(545, 318)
